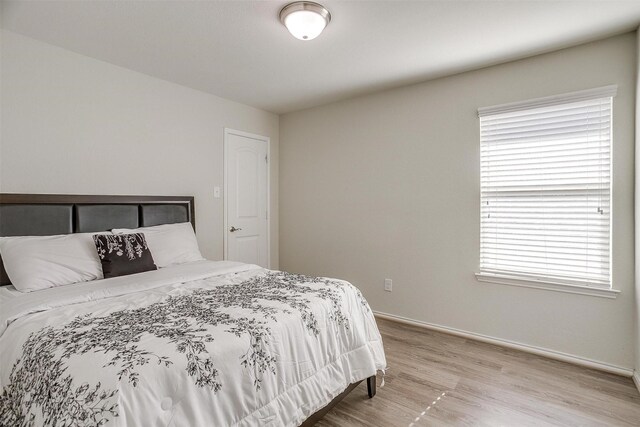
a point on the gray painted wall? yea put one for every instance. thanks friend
(387, 186)
(637, 213)
(73, 124)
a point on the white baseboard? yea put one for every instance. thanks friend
(636, 379)
(552, 354)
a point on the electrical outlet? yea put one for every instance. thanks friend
(388, 285)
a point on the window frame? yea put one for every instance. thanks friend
(540, 281)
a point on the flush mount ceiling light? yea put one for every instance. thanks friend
(305, 20)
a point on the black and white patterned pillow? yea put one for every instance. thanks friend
(122, 254)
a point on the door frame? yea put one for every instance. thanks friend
(260, 138)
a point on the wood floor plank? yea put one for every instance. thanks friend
(480, 384)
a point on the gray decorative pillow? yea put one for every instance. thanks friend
(122, 254)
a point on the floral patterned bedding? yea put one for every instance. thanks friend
(201, 344)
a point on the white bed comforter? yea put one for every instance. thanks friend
(201, 344)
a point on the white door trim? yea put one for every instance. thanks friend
(266, 140)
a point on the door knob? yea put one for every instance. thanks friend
(232, 229)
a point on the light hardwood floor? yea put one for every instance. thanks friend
(478, 384)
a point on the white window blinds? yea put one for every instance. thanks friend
(546, 189)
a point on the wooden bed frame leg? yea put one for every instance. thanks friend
(371, 386)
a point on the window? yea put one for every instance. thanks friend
(546, 190)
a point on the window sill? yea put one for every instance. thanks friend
(503, 279)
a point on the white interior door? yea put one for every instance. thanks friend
(246, 198)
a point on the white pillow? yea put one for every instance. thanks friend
(170, 244)
(39, 262)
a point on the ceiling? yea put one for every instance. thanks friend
(239, 50)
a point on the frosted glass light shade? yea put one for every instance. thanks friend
(305, 20)
(305, 25)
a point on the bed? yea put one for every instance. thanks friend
(200, 343)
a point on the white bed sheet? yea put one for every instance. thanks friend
(200, 344)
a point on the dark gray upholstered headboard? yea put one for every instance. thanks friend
(51, 214)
